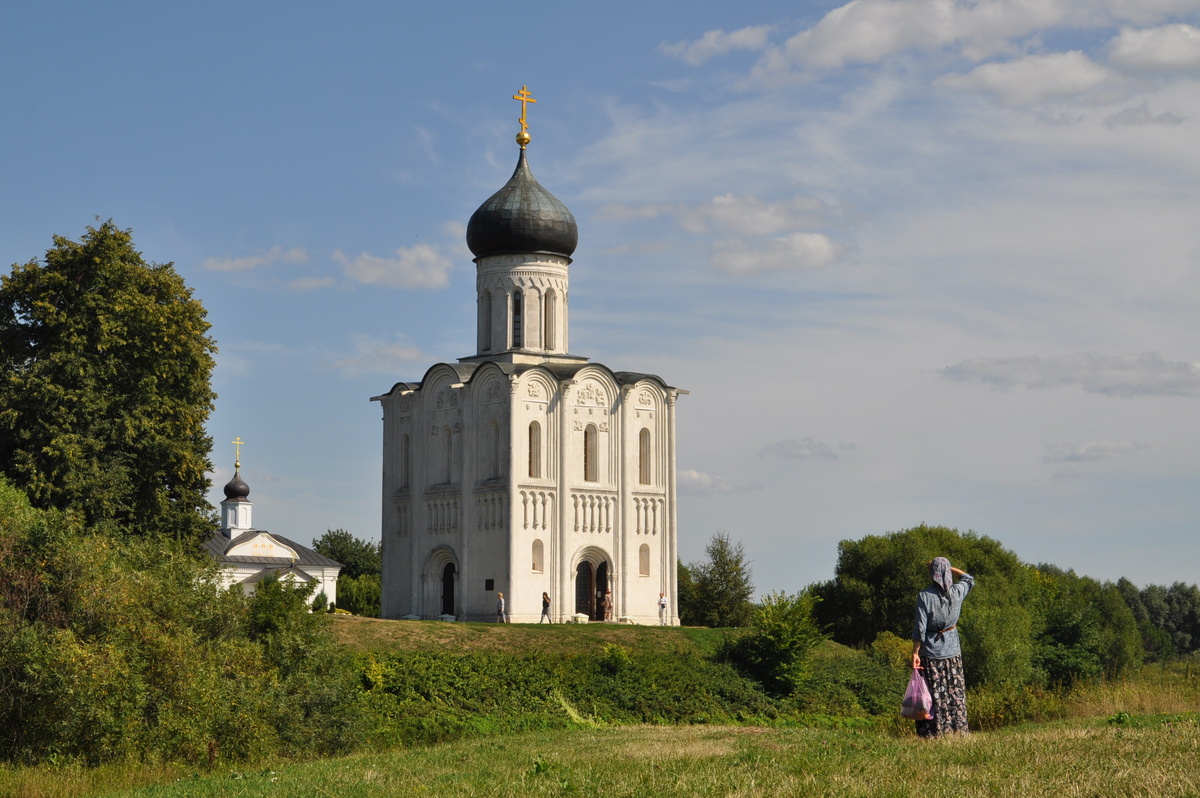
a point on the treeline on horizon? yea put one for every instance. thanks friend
(119, 641)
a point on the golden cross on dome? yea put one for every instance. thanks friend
(238, 443)
(523, 97)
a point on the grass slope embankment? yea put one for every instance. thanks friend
(377, 636)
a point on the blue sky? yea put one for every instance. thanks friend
(915, 261)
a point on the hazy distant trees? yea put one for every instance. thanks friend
(1021, 623)
(717, 590)
(358, 587)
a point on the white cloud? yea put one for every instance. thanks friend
(1167, 48)
(697, 483)
(730, 213)
(1092, 450)
(1145, 374)
(419, 266)
(795, 252)
(372, 355)
(717, 42)
(1139, 115)
(275, 254)
(1037, 78)
(868, 31)
(806, 449)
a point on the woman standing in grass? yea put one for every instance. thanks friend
(935, 643)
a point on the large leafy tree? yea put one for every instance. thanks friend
(105, 364)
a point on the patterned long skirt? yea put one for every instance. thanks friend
(944, 677)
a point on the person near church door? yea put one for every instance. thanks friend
(545, 609)
(662, 609)
(608, 605)
(501, 615)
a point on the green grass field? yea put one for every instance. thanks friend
(1139, 737)
(1145, 756)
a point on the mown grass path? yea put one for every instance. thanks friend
(1148, 757)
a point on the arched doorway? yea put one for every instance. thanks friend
(448, 589)
(439, 584)
(591, 583)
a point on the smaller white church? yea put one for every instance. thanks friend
(247, 555)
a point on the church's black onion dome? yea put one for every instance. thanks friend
(522, 218)
(237, 489)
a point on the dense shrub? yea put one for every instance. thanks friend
(359, 595)
(117, 649)
(775, 648)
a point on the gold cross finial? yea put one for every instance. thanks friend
(523, 97)
(238, 443)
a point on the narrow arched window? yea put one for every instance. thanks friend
(644, 560)
(405, 461)
(538, 550)
(447, 454)
(485, 321)
(548, 322)
(494, 450)
(518, 302)
(589, 453)
(535, 449)
(644, 457)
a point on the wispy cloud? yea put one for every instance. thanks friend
(697, 483)
(275, 254)
(716, 43)
(371, 355)
(422, 266)
(1038, 78)
(1140, 115)
(309, 283)
(802, 449)
(795, 252)
(1145, 374)
(1092, 450)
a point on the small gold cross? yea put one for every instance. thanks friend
(238, 443)
(523, 97)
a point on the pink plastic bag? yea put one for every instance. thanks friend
(917, 703)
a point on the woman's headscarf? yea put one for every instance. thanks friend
(940, 575)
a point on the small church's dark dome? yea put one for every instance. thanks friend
(237, 488)
(522, 218)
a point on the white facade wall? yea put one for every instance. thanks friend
(482, 510)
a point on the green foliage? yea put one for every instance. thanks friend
(131, 648)
(358, 557)
(105, 389)
(877, 580)
(774, 650)
(1083, 629)
(721, 584)
(359, 596)
(689, 599)
(428, 697)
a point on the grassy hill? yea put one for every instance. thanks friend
(363, 635)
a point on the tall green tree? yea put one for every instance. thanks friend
(722, 583)
(358, 557)
(105, 389)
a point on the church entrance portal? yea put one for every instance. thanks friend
(448, 589)
(591, 583)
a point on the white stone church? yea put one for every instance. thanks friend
(523, 469)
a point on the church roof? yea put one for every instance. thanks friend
(522, 218)
(562, 371)
(218, 544)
